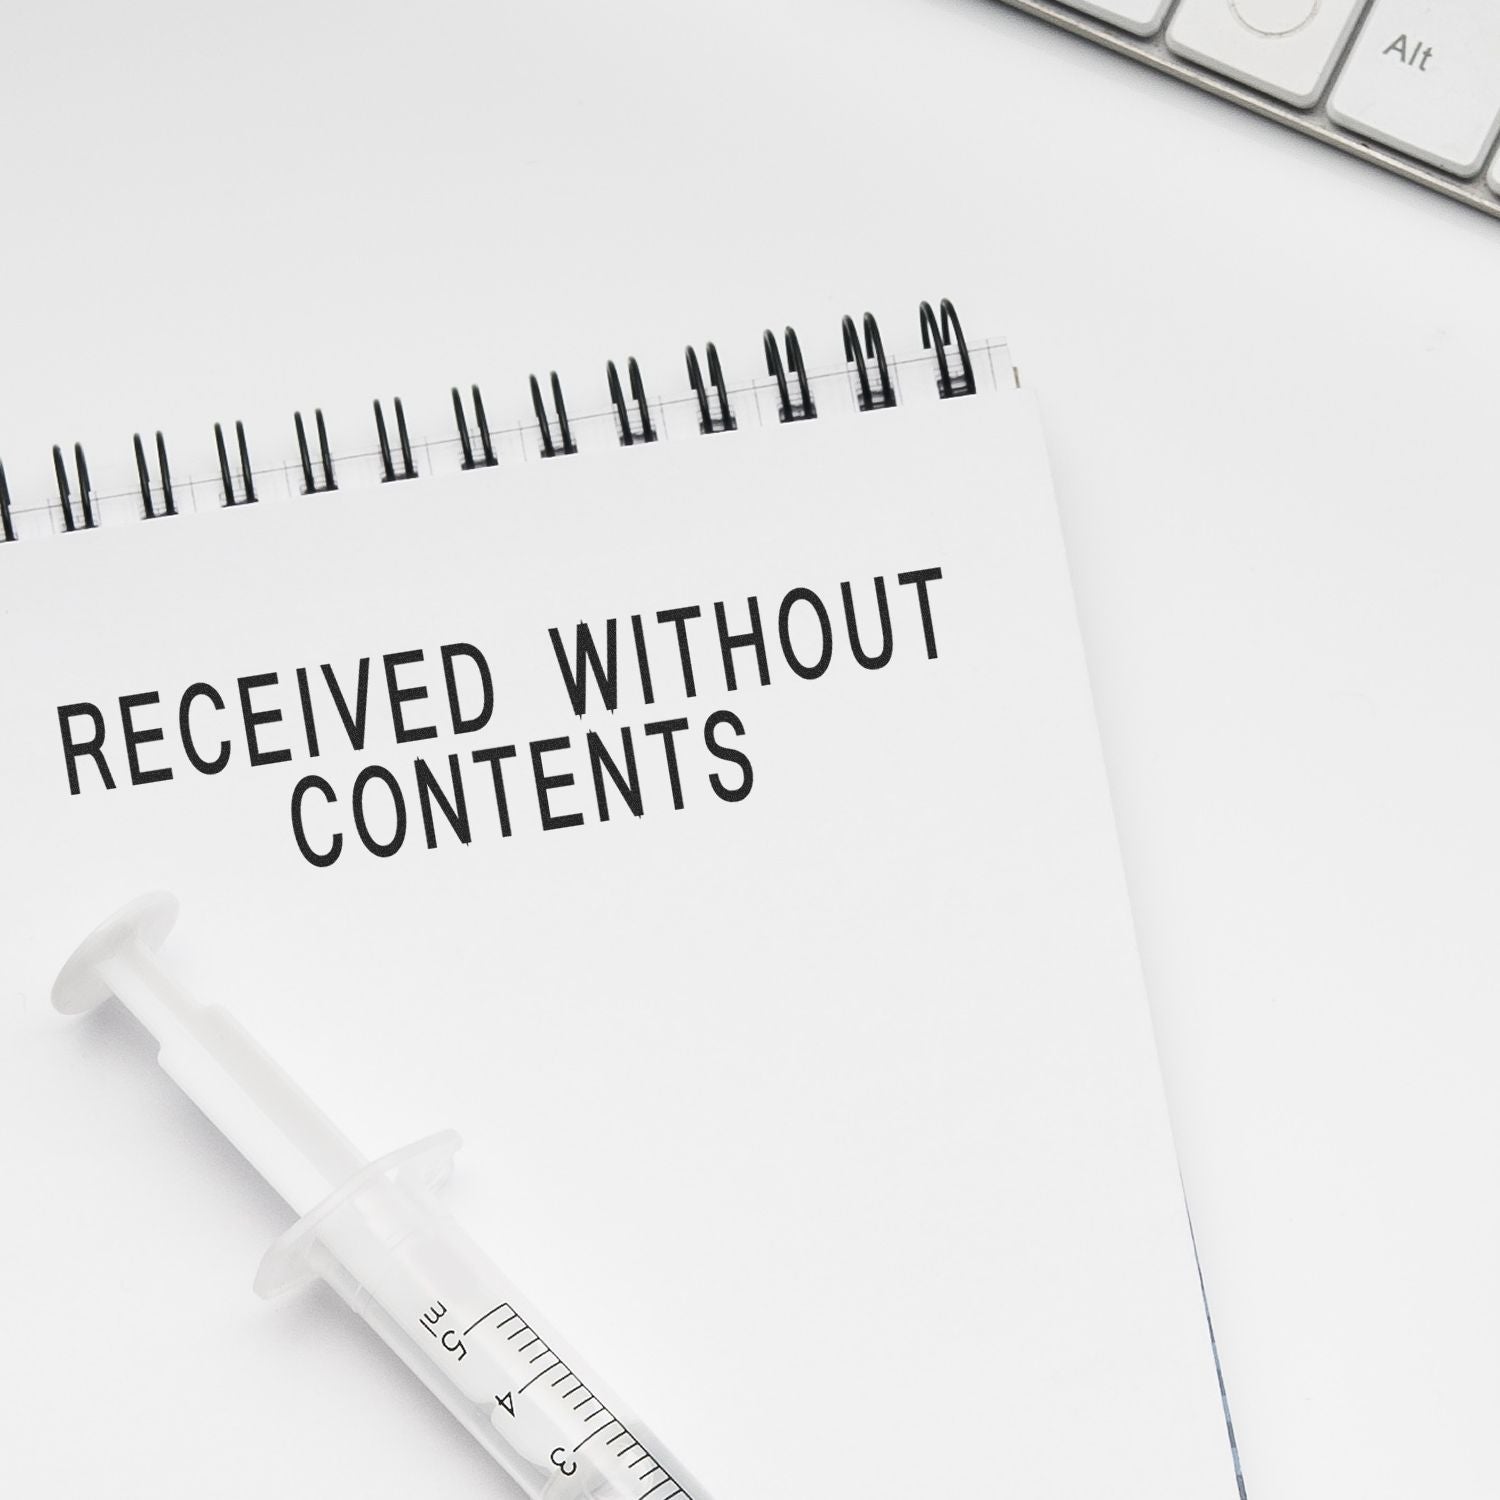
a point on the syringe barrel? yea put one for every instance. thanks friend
(390, 1250)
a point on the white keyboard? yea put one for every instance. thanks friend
(1411, 85)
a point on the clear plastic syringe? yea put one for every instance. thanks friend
(375, 1233)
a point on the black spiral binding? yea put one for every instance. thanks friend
(7, 527)
(628, 434)
(470, 462)
(565, 433)
(310, 485)
(803, 409)
(885, 395)
(707, 421)
(939, 336)
(247, 478)
(389, 473)
(85, 493)
(864, 349)
(169, 505)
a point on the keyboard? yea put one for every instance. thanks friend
(1410, 85)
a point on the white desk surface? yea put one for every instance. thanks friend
(1270, 378)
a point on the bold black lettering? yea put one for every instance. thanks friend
(922, 577)
(545, 785)
(456, 811)
(254, 718)
(400, 695)
(94, 746)
(354, 724)
(642, 660)
(304, 692)
(474, 722)
(184, 726)
(492, 758)
(135, 738)
(679, 618)
(725, 752)
(398, 803)
(586, 653)
(873, 663)
(825, 654)
(628, 785)
(299, 832)
(729, 644)
(667, 728)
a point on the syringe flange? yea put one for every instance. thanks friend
(423, 1165)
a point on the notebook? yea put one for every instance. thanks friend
(695, 799)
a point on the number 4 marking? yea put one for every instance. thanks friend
(507, 1402)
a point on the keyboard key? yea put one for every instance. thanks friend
(1424, 76)
(1285, 48)
(1140, 16)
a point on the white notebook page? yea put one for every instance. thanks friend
(822, 1117)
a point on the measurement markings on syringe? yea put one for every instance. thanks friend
(540, 1362)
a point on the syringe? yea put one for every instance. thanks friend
(375, 1233)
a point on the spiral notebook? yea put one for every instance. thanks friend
(694, 797)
